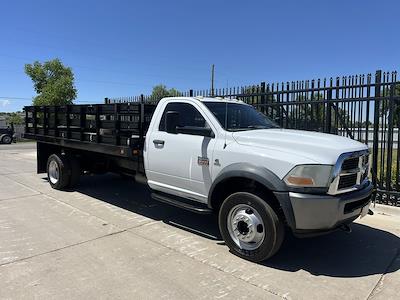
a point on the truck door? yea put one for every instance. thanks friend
(179, 164)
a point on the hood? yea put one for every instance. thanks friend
(321, 148)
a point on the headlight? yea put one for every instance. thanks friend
(309, 176)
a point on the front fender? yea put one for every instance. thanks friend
(250, 171)
(263, 176)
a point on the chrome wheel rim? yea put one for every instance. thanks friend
(54, 173)
(246, 227)
(7, 140)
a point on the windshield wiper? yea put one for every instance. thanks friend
(251, 127)
(257, 127)
(237, 129)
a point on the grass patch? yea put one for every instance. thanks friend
(383, 168)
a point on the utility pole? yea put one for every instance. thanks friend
(212, 80)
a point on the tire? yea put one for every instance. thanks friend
(250, 227)
(58, 171)
(75, 171)
(6, 139)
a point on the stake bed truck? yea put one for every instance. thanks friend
(212, 155)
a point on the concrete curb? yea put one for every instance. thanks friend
(385, 209)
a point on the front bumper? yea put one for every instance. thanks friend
(309, 213)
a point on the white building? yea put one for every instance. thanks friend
(360, 134)
(3, 121)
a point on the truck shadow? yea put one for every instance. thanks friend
(366, 251)
(135, 197)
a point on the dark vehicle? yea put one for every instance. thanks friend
(7, 135)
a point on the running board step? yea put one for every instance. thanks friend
(176, 201)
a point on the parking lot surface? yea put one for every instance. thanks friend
(107, 239)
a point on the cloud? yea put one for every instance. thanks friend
(4, 103)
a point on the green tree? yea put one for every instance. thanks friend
(252, 95)
(160, 91)
(14, 118)
(385, 104)
(52, 81)
(313, 115)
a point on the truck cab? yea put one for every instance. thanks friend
(225, 154)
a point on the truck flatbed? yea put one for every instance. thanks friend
(117, 126)
(117, 130)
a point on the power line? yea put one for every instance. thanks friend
(149, 75)
(112, 82)
(15, 98)
(30, 99)
(17, 71)
(79, 51)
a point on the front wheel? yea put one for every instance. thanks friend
(250, 227)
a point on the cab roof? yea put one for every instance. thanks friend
(210, 99)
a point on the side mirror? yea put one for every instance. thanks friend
(194, 130)
(171, 121)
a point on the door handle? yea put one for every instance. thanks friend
(158, 142)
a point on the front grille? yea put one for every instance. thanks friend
(365, 159)
(347, 181)
(350, 164)
(364, 175)
(352, 171)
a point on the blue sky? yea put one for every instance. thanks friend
(123, 48)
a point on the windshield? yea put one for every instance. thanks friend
(240, 117)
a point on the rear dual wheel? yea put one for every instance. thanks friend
(62, 171)
(250, 227)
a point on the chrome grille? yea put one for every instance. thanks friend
(347, 181)
(350, 163)
(351, 170)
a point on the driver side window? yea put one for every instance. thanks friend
(188, 115)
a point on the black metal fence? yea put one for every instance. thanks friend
(363, 107)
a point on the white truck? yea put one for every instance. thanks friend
(213, 155)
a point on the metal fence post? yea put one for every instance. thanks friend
(263, 98)
(141, 117)
(378, 79)
(328, 121)
(190, 93)
(390, 139)
(34, 119)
